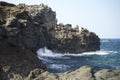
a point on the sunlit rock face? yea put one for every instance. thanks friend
(27, 26)
(35, 26)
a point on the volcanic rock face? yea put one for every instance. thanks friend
(74, 41)
(16, 62)
(35, 26)
(26, 26)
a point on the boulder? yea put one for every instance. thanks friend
(45, 76)
(106, 74)
(83, 73)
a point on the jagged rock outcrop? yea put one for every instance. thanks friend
(17, 63)
(27, 26)
(83, 73)
(35, 26)
(71, 40)
(107, 74)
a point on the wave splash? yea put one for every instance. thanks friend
(58, 63)
(44, 52)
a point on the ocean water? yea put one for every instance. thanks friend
(107, 58)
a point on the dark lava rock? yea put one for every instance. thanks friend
(2, 3)
(75, 41)
(17, 62)
(35, 26)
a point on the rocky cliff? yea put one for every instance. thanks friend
(25, 28)
(35, 26)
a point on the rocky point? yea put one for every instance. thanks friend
(35, 26)
(26, 28)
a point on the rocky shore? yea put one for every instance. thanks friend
(26, 28)
(22, 64)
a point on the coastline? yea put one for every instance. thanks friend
(23, 30)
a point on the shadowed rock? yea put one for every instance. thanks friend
(2, 3)
(35, 26)
(16, 62)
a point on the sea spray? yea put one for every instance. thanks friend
(108, 57)
(44, 52)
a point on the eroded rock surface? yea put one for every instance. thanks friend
(35, 26)
(16, 63)
(83, 73)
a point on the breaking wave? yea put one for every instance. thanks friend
(107, 58)
(58, 63)
(44, 52)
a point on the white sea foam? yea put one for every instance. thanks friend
(45, 60)
(113, 51)
(104, 40)
(59, 66)
(44, 52)
(90, 53)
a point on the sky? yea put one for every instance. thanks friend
(99, 16)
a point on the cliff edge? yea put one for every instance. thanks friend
(35, 26)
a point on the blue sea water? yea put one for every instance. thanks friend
(107, 58)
